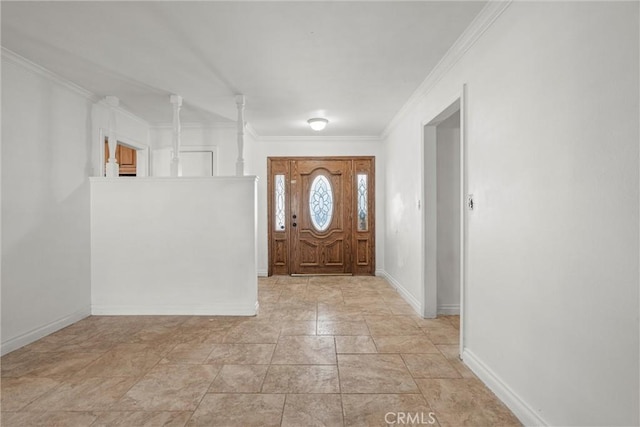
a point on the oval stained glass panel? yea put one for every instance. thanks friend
(321, 203)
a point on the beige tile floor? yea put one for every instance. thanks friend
(323, 351)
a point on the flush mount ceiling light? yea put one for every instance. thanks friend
(318, 123)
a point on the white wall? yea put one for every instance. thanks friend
(221, 138)
(173, 246)
(259, 150)
(448, 214)
(46, 158)
(551, 301)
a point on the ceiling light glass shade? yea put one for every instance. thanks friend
(318, 123)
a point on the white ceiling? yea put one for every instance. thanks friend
(355, 63)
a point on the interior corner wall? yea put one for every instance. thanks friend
(46, 156)
(257, 152)
(551, 302)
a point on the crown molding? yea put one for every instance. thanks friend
(469, 37)
(361, 138)
(11, 56)
(195, 125)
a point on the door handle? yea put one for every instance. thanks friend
(294, 224)
(295, 216)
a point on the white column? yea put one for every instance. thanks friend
(112, 169)
(176, 167)
(240, 161)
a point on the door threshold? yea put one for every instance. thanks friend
(320, 274)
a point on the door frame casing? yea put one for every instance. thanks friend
(429, 216)
(142, 152)
(371, 207)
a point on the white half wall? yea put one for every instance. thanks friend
(257, 152)
(182, 246)
(551, 311)
(46, 156)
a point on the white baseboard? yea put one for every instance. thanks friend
(449, 309)
(175, 310)
(42, 331)
(263, 273)
(519, 407)
(413, 302)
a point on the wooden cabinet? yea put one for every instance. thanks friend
(126, 157)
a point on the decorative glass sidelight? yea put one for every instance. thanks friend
(279, 202)
(321, 203)
(363, 213)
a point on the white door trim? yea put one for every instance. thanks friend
(429, 212)
(213, 149)
(142, 152)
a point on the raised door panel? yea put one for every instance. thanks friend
(362, 252)
(127, 156)
(334, 252)
(280, 256)
(309, 254)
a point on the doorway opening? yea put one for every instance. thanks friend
(126, 156)
(444, 215)
(321, 215)
(132, 156)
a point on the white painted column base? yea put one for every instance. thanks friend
(176, 167)
(112, 169)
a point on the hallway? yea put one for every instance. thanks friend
(322, 351)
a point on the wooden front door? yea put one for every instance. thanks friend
(321, 215)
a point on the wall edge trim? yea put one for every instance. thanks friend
(17, 59)
(9, 55)
(410, 299)
(42, 331)
(175, 310)
(525, 413)
(449, 309)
